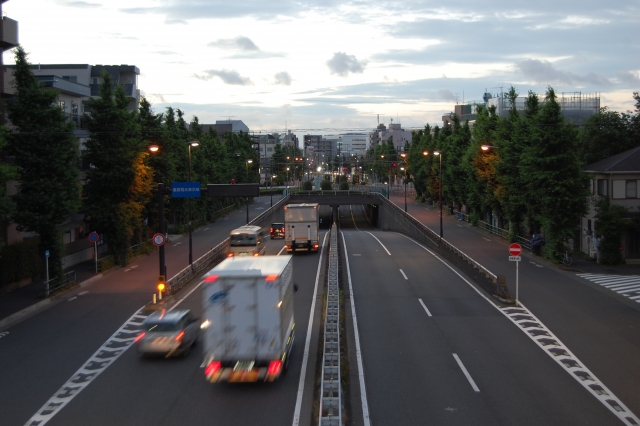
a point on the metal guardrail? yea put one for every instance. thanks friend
(217, 253)
(504, 234)
(52, 285)
(435, 238)
(330, 385)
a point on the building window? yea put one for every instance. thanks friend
(631, 189)
(618, 189)
(71, 78)
(602, 187)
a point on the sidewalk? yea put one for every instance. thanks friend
(579, 264)
(31, 294)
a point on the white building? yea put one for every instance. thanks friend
(395, 132)
(353, 143)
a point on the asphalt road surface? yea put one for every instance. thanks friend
(438, 351)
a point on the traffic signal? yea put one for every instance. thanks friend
(162, 285)
(394, 164)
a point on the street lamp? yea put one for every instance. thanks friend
(153, 148)
(439, 154)
(487, 147)
(191, 144)
(287, 176)
(246, 163)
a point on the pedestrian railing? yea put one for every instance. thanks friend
(54, 284)
(524, 242)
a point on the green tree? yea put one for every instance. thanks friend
(610, 226)
(552, 168)
(7, 174)
(46, 156)
(114, 148)
(605, 134)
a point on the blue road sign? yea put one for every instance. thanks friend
(185, 190)
(46, 254)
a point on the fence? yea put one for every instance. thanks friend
(503, 233)
(53, 285)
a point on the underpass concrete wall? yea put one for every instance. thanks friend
(392, 218)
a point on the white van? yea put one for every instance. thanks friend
(247, 240)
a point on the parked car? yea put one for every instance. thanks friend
(168, 333)
(277, 230)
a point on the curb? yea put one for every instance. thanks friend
(19, 316)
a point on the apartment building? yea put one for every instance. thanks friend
(395, 132)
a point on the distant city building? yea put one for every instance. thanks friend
(574, 106)
(289, 139)
(230, 126)
(399, 136)
(353, 143)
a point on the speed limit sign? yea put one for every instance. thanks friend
(159, 239)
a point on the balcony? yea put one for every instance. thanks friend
(64, 86)
(9, 34)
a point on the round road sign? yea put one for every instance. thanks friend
(93, 237)
(515, 249)
(159, 239)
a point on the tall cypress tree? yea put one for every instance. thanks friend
(46, 156)
(551, 167)
(113, 148)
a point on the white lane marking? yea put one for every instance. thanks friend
(177, 243)
(206, 229)
(486, 239)
(4, 333)
(356, 334)
(625, 285)
(72, 298)
(305, 357)
(543, 337)
(352, 218)
(127, 270)
(82, 293)
(403, 274)
(466, 373)
(134, 266)
(281, 250)
(385, 249)
(111, 350)
(425, 307)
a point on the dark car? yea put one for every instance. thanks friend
(277, 230)
(168, 333)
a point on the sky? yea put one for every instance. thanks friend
(327, 66)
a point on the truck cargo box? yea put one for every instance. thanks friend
(248, 318)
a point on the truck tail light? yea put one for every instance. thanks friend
(140, 336)
(271, 230)
(211, 278)
(230, 255)
(212, 368)
(315, 246)
(256, 254)
(274, 367)
(180, 336)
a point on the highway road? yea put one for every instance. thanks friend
(42, 353)
(437, 350)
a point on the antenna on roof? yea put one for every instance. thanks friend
(229, 118)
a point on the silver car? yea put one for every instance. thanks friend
(168, 333)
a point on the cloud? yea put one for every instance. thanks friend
(628, 77)
(83, 4)
(544, 72)
(342, 64)
(283, 78)
(165, 52)
(175, 21)
(239, 43)
(231, 77)
(446, 95)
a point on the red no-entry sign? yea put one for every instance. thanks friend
(515, 249)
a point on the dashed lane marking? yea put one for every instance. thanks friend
(624, 285)
(72, 298)
(486, 239)
(552, 346)
(403, 274)
(83, 293)
(3, 334)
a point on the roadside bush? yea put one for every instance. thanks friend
(21, 260)
(325, 185)
(307, 186)
(344, 186)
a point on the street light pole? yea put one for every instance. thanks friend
(405, 188)
(440, 191)
(192, 143)
(247, 170)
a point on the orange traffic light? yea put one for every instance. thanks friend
(161, 283)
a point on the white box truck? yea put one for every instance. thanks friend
(247, 313)
(301, 227)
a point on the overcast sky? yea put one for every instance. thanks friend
(326, 64)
